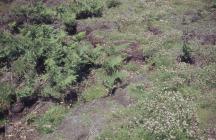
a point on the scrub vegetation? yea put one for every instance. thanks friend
(150, 64)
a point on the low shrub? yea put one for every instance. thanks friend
(159, 114)
(88, 8)
(163, 59)
(43, 63)
(67, 16)
(186, 56)
(113, 63)
(34, 13)
(109, 80)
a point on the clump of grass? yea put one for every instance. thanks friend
(186, 57)
(132, 67)
(68, 17)
(94, 92)
(50, 119)
(113, 63)
(123, 133)
(113, 3)
(163, 59)
(6, 93)
(109, 80)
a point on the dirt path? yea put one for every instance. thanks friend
(86, 120)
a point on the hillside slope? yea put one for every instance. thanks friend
(114, 70)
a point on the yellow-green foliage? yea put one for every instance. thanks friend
(39, 54)
(109, 80)
(88, 8)
(113, 63)
(47, 122)
(35, 13)
(6, 91)
(94, 92)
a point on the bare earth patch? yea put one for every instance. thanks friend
(87, 120)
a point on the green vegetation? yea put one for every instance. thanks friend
(157, 115)
(113, 63)
(113, 3)
(37, 13)
(5, 96)
(50, 119)
(214, 2)
(109, 80)
(94, 92)
(45, 61)
(43, 55)
(40, 56)
(174, 102)
(88, 8)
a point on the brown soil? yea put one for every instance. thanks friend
(211, 130)
(98, 25)
(87, 120)
(155, 30)
(19, 127)
(95, 40)
(134, 51)
(90, 30)
(203, 38)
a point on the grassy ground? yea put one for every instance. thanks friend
(175, 98)
(190, 87)
(158, 63)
